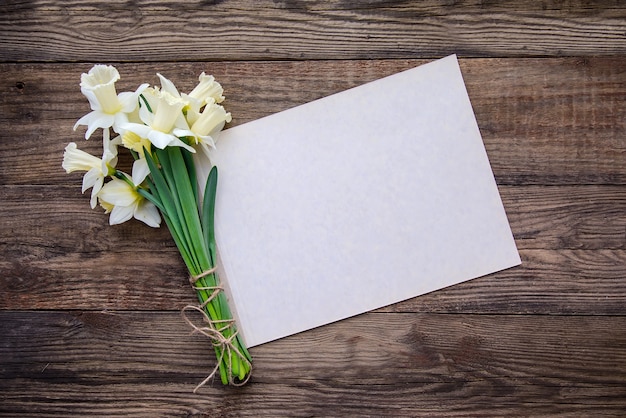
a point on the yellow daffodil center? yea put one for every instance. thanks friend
(107, 97)
(134, 142)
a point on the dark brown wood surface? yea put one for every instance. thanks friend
(89, 313)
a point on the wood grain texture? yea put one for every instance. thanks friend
(543, 121)
(151, 31)
(372, 365)
(59, 254)
(89, 314)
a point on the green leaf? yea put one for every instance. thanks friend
(189, 206)
(141, 96)
(162, 189)
(208, 211)
(208, 232)
(191, 170)
(152, 199)
(171, 170)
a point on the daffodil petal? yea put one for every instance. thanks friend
(94, 104)
(119, 119)
(119, 193)
(94, 192)
(205, 149)
(168, 86)
(178, 143)
(129, 99)
(183, 132)
(90, 178)
(160, 139)
(138, 129)
(84, 120)
(121, 214)
(140, 170)
(145, 115)
(147, 213)
(94, 120)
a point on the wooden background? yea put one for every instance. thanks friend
(89, 314)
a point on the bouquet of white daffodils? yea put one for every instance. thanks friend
(167, 133)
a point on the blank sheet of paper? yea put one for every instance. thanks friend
(356, 201)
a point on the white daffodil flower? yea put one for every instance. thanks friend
(161, 122)
(207, 125)
(207, 89)
(191, 105)
(109, 109)
(97, 169)
(134, 142)
(207, 92)
(122, 201)
(211, 120)
(169, 87)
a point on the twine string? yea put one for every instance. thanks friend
(194, 279)
(214, 330)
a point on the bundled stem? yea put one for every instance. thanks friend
(174, 191)
(164, 128)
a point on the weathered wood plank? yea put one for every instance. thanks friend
(574, 7)
(566, 217)
(56, 220)
(548, 282)
(544, 121)
(59, 254)
(116, 363)
(244, 30)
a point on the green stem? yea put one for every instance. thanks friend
(174, 191)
